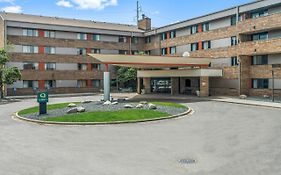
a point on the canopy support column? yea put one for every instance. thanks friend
(106, 83)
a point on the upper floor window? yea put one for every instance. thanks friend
(163, 36)
(96, 37)
(50, 66)
(30, 49)
(82, 36)
(49, 34)
(148, 39)
(173, 34)
(260, 36)
(233, 40)
(234, 61)
(173, 50)
(194, 29)
(164, 51)
(135, 40)
(194, 46)
(233, 20)
(206, 45)
(260, 83)
(82, 66)
(205, 27)
(30, 32)
(260, 60)
(122, 39)
(81, 51)
(49, 50)
(95, 51)
(30, 66)
(259, 13)
(96, 66)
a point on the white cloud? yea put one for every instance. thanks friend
(9, 1)
(64, 3)
(87, 4)
(12, 9)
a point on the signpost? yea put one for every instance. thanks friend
(42, 99)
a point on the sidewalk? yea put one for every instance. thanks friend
(247, 102)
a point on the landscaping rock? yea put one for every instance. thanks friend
(128, 106)
(143, 102)
(107, 103)
(72, 111)
(152, 106)
(243, 96)
(71, 105)
(81, 109)
(139, 106)
(87, 101)
(114, 103)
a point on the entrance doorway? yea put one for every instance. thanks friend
(160, 85)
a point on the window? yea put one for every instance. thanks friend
(173, 50)
(49, 50)
(30, 84)
(30, 32)
(260, 36)
(123, 52)
(81, 51)
(260, 60)
(122, 39)
(206, 45)
(50, 66)
(148, 52)
(233, 40)
(194, 46)
(187, 83)
(260, 83)
(96, 83)
(194, 29)
(173, 34)
(95, 51)
(259, 14)
(50, 84)
(148, 39)
(234, 61)
(82, 66)
(30, 49)
(135, 40)
(49, 34)
(233, 20)
(96, 66)
(82, 36)
(164, 51)
(205, 27)
(81, 83)
(30, 66)
(96, 37)
(163, 36)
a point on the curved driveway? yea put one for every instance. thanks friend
(223, 138)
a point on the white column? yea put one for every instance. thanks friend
(106, 85)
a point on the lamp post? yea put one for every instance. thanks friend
(272, 71)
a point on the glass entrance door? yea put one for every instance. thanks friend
(160, 85)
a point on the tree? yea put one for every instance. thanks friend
(7, 75)
(127, 76)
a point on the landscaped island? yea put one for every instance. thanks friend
(103, 112)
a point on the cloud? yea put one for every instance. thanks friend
(87, 4)
(12, 9)
(63, 3)
(8, 1)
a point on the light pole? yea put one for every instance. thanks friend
(272, 71)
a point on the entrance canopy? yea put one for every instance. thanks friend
(145, 61)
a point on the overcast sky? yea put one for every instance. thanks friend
(162, 12)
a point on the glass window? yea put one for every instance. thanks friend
(206, 45)
(234, 61)
(233, 40)
(173, 50)
(30, 84)
(233, 20)
(173, 34)
(30, 49)
(49, 34)
(82, 66)
(81, 51)
(260, 60)
(30, 32)
(122, 39)
(30, 66)
(96, 37)
(82, 36)
(50, 50)
(148, 52)
(96, 83)
(194, 46)
(205, 27)
(96, 66)
(95, 51)
(260, 36)
(135, 40)
(194, 29)
(164, 51)
(148, 39)
(81, 83)
(163, 36)
(50, 84)
(259, 14)
(50, 66)
(260, 83)
(123, 52)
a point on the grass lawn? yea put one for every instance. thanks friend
(107, 116)
(49, 107)
(170, 104)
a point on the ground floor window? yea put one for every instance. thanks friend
(50, 84)
(30, 84)
(234, 61)
(96, 83)
(81, 83)
(187, 83)
(260, 83)
(161, 85)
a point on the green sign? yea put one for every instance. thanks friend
(42, 97)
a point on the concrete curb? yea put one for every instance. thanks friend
(16, 115)
(248, 104)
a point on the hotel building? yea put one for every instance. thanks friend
(243, 42)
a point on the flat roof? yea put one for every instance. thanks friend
(145, 61)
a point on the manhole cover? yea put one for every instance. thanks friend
(187, 161)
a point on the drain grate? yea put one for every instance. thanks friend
(187, 161)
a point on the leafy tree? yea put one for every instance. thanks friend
(127, 77)
(7, 75)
